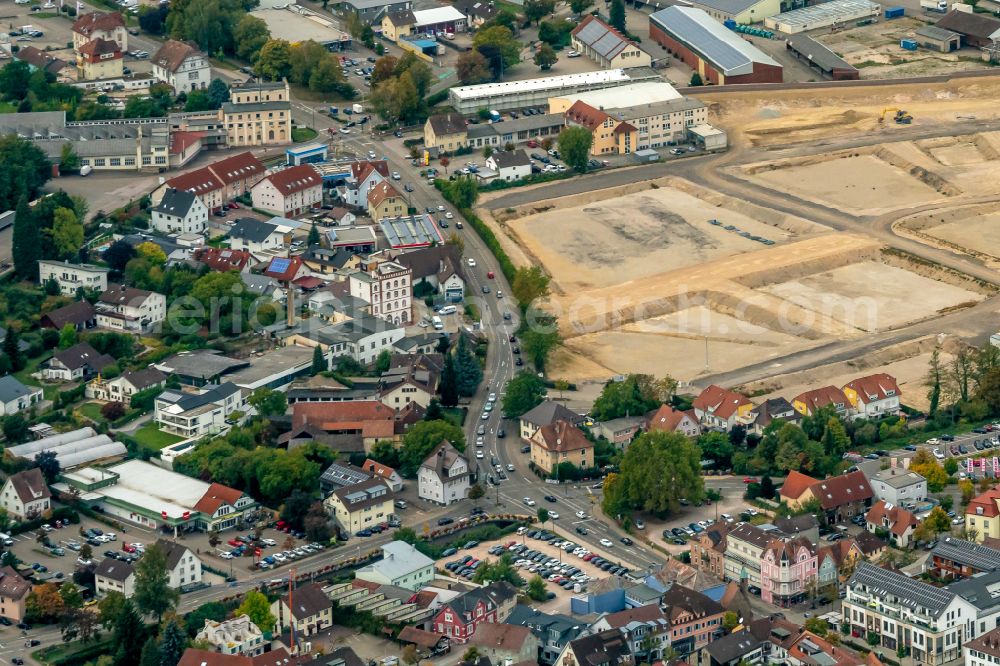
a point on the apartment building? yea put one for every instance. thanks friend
(258, 114)
(71, 277)
(386, 285)
(745, 547)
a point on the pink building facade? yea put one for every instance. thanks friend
(787, 571)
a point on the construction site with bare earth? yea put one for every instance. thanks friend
(827, 228)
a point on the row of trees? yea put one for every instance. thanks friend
(462, 374)
(400, 87)
(306, 63)
(52, 228)
(211, 24)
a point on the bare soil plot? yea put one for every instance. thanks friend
(871, 296)
(863, 183)
(629, 237)
(980, 233)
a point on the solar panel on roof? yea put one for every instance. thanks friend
(280, 265)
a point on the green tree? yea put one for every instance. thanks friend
(449, 382)
(150, 653)
(152, 253)
(536, 589)
(525, 391)
(580, 6)
(501, 40)
(616, 16)
(15, 428)
(530, 284)
(545, 57)
(422, 438)
(817, 625)
(499, 570)
(67, 336)
(924, 464)
(129, 633)
(383, 361)
(195, 620)
(835, 440)
(314, 239)
(933, 382)
(543, 515)
(695, 80)
(476, 492)
(660, 468)
(468, 370)
(635, 395)
(471, 68)
(268, 402)
(536, 10)
(716, 447)
(251, 34)
(12, 349)
(209, 23)
(541, 338)
(69, 161)
(574, 146)
(256, 606)
(274, 60)
(319, 362)
(434, 411)
(198, 100)
(218, 91)
(110, 607)
(463, 191)
(173, 642)
(71, 595)
(153, 593)
(27, 241)
(730, 620)
(24, 169)
(951, 467)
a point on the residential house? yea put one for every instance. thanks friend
(979, 592)
(386, 286)
(276, 657)
(401, 565)
(285, 271)
(458, 618)
(338, 476)
(181, 66)
(984, 650)
(13, 594)
(898, 486)
(124, 386)
(740, 647)
(745, 546)
(130, 310)
(291, 191)
(360, 506)
(476, 12)
(81, 361)
(447, 132)
(558, 443)
(362, 337)
(668, 419)
(716, 407)
(809, 649)
(804, 525)
(223, 259)
(38, 59)
(100, 25)
(384, 201)
(606, 46)
(352, 425)
(341, 217)
(610, 135)
(894, 520)
(25, 495)
(258, 113)
(99, 59)
(207, 412)
(874, 396)
(606, 648)
(871, 547)
(221, 507)
(404, 385)
(708, 549)
(552, 631)
(954, 558)
(372, 11)
(78, 314)
(183, 566)
(827, 396)
(834, 559)
(255, 236)
(546, 413)
(112, 575)
(398, 24)
(841, 497)
(695, 619)
(238, 635)
(439, 266)
(219, 182)
(646, 629)
(512, 165)
(444, 477)
(179, 212)
(364, 176)
(384, 472)
(16, 397)
(900, 611)
(306, 609)
(787, 571)
(505, 643)
(982, 515)
(72, 277)
(620, 431)
(775, 409)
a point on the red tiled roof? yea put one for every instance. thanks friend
(874, 387)
(821, 397)
(796, 483)
(381, 192)
(98, 22)
(181, 141)
(584, 114)
(647, 613)
(173, 54)
(562, 436)
(99, 46)
(986, 503)
(666, 418)
(237, 167)
(840, 490)
(295, 179)
(223, 259)
(371, 417)
(378, 469)
(291, 268)
(217, 495)
(720, 402)
(362, 168)
(308, 282)
(200, 181)
(899, 519)
(835, 655)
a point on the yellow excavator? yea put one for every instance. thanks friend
(901, 117)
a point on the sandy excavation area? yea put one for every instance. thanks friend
(871, 296)
(862, 184)
(980, 233)
(630, 237)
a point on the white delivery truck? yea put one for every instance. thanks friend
(358, 108)
(437, 323)
(934, 5)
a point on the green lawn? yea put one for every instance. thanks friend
(24, 376)
(455, 414)
(150, 437)
(92, 410)
(300, 134)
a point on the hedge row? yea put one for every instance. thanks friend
(533, 179)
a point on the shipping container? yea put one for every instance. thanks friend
(908, 44)
(894, 12)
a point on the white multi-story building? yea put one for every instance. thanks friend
(25, 495)
(130, 310)
(898, 486)
(71, 277)
(291, 191)
(197, 414)
(444, 476)
(236, 636)
(113, 575)
(401, 565)
(255, 236)
(386, 285)
(179, 212)
(183, 566)
(181, 66)
(100, 25)
(873, 396)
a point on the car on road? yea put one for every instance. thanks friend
(445, 521)
(639, 525)
(408, 187)
(510, 467)
(486, 289)
(573, 54)
(581, 514)
(479, 455)
(606, 543)
(485, 416)
(449, 216)
(471, 261)
(440, 208)
(395, 175)
(627, 541)
(529, 502)
(582, 531)
(344, 130)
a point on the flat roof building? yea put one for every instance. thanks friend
(743, 12)
(536, 92)
(410, 231)
(835, 12)
(715, 52)
(644, 92)
(298, 24)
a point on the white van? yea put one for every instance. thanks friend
(6, 540)
(437, 323)
(447, 310)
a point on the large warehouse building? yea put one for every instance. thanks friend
(717, 53)
(826, 15)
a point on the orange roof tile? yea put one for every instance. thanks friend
(720, 402)
(796, 483)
